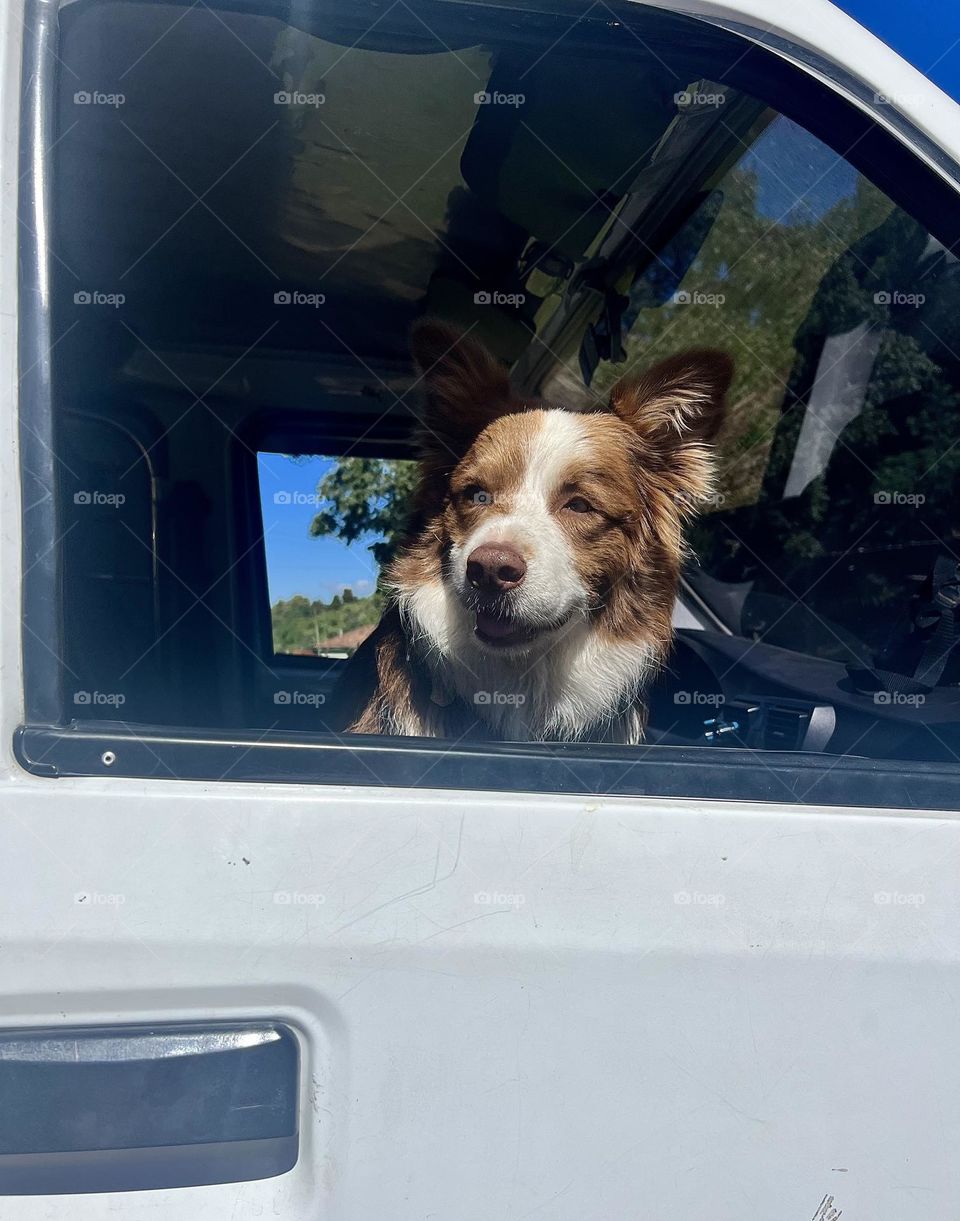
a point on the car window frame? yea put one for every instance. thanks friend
(45, 745)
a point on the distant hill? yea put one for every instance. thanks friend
(302, 627)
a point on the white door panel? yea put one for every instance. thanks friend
(702, 1010)
(510, 1007)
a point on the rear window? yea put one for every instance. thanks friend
(328, 527)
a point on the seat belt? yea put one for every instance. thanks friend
(945, 604)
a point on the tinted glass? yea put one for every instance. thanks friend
(253, 207)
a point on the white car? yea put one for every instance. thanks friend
(251, 967)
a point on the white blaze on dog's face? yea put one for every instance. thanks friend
(535, 524)
(512, 556)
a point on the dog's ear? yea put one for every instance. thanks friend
(678, 401)
(466, 387)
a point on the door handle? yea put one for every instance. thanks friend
(126, 1108)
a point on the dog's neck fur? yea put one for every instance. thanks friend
(574, 685)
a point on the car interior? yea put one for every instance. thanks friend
(242, 243)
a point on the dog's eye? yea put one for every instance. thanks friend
(475, 494)
(577, 504)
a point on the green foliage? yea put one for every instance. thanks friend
(830, 571)
(300, 625)
(363, 497)
(768, 275)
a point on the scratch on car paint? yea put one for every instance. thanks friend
(580, 838)
(418, 890)
(499, 911)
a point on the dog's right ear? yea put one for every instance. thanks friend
(677, 402)
(466, 386)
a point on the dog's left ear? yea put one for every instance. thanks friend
(466, 386)
(677, 401)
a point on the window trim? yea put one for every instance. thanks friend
(841, 81)
(41, 619)
(99, 749)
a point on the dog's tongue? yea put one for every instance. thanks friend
(491, 626)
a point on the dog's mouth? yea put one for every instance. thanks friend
(504, 631)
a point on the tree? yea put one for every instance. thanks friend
(363, 497)
(782, 289)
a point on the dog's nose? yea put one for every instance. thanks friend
(495, 567)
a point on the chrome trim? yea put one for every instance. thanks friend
(844, 82)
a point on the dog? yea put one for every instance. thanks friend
(532, 597)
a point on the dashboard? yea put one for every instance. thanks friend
(725, 691)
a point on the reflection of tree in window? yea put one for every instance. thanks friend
(768, 270)
(893, 291)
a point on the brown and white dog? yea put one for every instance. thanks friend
(532, 599)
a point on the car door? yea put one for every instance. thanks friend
(259, 972)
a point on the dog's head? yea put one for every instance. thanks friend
(534, 517)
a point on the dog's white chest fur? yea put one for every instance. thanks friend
(567, 684)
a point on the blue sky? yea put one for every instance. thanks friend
(785, 155)
(925, 33)
(297, 563)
